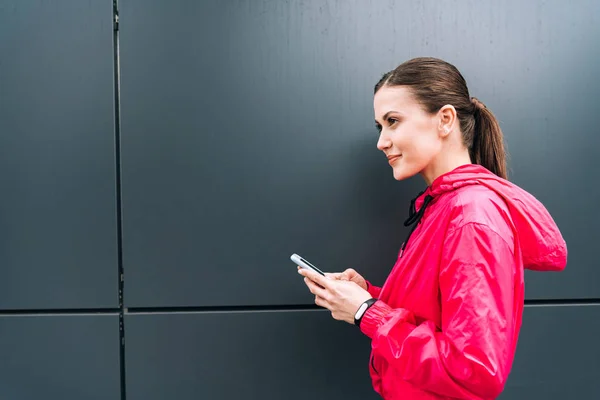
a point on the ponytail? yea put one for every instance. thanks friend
(488, 141)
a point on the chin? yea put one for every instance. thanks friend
(401, 174)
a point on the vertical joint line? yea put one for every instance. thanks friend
(117, 117)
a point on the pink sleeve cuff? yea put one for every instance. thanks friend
(373, 290)
(374, 318)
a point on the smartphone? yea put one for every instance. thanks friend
(305, 264)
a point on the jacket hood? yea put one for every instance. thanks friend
(542, 244)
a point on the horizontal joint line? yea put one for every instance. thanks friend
(562, 302)
(213, 309)
(61, 311)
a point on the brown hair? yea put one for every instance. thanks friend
(436, 83)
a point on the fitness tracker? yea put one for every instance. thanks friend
(362, 309)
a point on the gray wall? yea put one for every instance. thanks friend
(233, 134)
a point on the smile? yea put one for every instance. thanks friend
(393, 159)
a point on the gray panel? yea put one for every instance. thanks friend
(68, 357)
(299, 355)
(248, 135)
(260, 355)
(557, 355)
(57, 162)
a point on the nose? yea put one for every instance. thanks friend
(384, 141)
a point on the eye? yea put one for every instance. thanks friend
(378, 127)
(391, 121)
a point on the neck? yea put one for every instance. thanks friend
(445, 163)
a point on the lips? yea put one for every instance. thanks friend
(393, 157)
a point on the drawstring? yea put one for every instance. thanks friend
(414, 217)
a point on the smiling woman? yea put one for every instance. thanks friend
(446, 322)
(433, 126)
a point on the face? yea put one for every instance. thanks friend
(409, 136)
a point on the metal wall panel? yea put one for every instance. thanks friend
(247, 135)
(306, 354)
(58, 247)
(557, 355)
(67, 357)
(293, 355)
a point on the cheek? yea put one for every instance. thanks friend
(419, 145)
(417, 152)
(425, 147)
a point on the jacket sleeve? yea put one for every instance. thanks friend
(471, 354)
(373, 290)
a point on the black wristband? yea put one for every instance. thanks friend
(369, 303)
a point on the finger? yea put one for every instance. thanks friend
(334, 275)
(315, 277)
(320, 302)
(316, 289)
(313, 282)
(350, 272)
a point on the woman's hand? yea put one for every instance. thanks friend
(349, 275)
(341, 297)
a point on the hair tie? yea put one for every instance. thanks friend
(478, 104)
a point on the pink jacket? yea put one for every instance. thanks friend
(448, 316)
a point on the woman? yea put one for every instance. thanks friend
(445, 323)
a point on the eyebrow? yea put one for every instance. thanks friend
(386, 115)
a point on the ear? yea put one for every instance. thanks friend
(447, 118)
